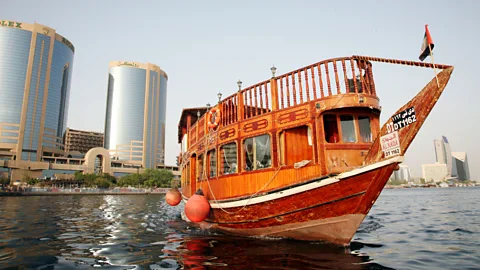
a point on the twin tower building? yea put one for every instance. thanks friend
(36, 66)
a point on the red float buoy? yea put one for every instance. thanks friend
(173, 197)
(197, 207)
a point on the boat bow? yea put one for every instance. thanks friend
(398, 132)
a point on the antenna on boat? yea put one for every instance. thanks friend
(219, 95)
(239, 83)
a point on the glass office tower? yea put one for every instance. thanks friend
(35, 75)
(443, 153)
(136, 113)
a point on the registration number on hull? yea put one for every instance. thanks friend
(402, 119)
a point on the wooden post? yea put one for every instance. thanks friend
(189, 122)
(241, 107)
(197, 130)
(274, 93)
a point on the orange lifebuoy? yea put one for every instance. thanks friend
(215, 123)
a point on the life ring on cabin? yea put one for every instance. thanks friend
(216, 121)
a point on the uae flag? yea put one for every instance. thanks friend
(427, 46)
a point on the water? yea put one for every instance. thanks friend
(406, 229)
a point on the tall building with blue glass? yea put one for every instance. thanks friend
(35, 75)
(136, 113)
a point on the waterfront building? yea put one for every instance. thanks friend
(35, 74)
(81, 141)
(136, 114)
(402, 174)
(461, 164)
(443, 153)
(435, 172)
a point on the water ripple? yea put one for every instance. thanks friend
(406, 229)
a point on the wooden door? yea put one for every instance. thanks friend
(297, 145)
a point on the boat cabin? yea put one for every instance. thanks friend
(300, 126)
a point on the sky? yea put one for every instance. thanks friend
(205, 47)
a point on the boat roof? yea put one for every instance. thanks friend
(193, 114)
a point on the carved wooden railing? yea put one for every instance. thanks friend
(201, 131)
(317, 81)
(327, 78)
(193, 134)
(250, 102)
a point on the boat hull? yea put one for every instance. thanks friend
(329, 209)
(337, 230)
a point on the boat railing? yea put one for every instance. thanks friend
(328, 78)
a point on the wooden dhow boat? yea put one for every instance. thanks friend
(301, 155)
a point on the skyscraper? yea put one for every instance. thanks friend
(136, 113)
(35, 75)
(461, 163)
(443, 153)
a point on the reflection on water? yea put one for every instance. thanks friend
(406, 229)
(218, 251)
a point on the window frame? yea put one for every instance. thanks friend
(340, 130)
(220, 171)
(360, 140)
(337, 128)
(200, 166)
(244, 154)
(209, 162)
(355, 127)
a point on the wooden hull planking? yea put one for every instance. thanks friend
(330, 212)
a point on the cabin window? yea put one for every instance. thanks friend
(331, 128)
(212, 159)
(228, 157)
(365, 131)
(257, 153)
(200, 172)
(348, 128)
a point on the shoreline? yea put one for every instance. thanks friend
(19, 194)
(406, 187)
(156, 192)
(83, 191)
